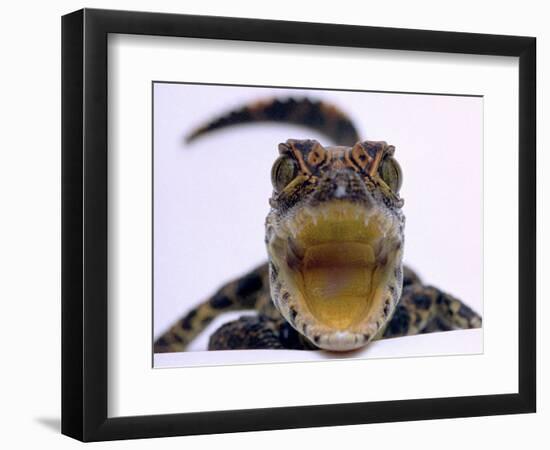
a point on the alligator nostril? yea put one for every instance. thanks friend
(341, 190)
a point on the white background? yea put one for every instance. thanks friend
(30, 232)
(211, 196)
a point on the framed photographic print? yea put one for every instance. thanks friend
(316, 208)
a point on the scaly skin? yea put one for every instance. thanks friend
(337, 201)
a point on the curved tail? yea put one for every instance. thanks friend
(248, 292)
(317, 115)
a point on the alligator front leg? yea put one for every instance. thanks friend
(426, 309)
(258, 332)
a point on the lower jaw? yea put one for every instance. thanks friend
(341, 341)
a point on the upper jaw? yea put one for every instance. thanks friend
(339, 266)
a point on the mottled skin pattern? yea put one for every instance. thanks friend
(411, 307)
(316, 115)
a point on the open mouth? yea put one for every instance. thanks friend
(337, 262)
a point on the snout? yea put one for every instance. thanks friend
(342, 184)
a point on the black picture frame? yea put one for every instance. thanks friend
(84, 224)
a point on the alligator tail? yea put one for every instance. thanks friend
(316, 115)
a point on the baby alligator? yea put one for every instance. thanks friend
(335, 232)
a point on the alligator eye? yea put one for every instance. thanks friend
(390, 171)
(283, 172)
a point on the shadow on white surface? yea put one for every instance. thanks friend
(52, 423)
